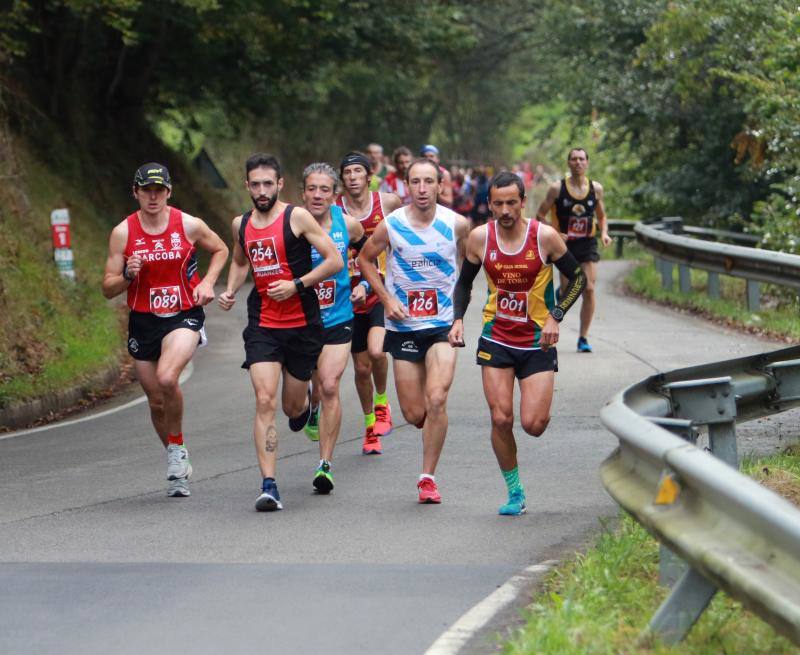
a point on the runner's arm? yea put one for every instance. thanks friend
(556, 252)
(114, 280)
(355, 233)
(375, 245)
(304, 225)
(237, 273)
(548, 202)
(600, 212)
(203, 236)
(470, 268)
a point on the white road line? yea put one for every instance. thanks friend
(185, 375)
(457, 636)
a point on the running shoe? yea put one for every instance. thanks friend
(323, 478)
(583, 345)
(178, 465)
(515, 505)
(297, 423)
(383, 420)
(428, 491)
(312, 427)
(270, 499)
(178, 488)
(372, 443)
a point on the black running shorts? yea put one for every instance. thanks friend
(146, 330)
(338, 334)
(584, 249)
(413, 346)
(524, 362)
(296, 348)
(362, 324)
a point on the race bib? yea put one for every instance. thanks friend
(578, 227)
(165, 301)
(422, 304)
(512, 305)
(263, 255)
(326, 294)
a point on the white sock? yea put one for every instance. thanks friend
(426, 475)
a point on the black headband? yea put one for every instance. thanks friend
(355, 158)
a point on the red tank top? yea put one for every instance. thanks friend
(520, 290)
(275, 253)
(369, 223)
(169, 267)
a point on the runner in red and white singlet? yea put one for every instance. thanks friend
(283, 337)
(369, 360)
(521, 319)
(395, 182)
(152, 255)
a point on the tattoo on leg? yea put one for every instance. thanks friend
(272, 439)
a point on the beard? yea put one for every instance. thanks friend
(264, 203)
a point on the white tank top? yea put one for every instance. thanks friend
(421, 270)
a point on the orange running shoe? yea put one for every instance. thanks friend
(383, 420)
(428, 491)
(372, 443)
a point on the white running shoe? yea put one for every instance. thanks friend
(178, 488)
(178, 465)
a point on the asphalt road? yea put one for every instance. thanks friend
(94, 558)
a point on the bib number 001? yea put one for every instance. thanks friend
(512, 305)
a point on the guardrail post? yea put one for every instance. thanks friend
(713, 285)
(681, 609)
(670, 566)
(787, 379)
(620, 241)
(666, 273)
(709, 402)
(753, 295)
(685, 278)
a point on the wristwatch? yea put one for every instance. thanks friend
(298, 284)
(557, 313)
(125, 273)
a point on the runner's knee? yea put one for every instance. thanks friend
(265, 401)
(329, 387)
(167, 380)
(436, 401)
(376, 354)
(502, 420)
(362, 366)
(536, 425)
(413, 415)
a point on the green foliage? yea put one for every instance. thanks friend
(778, 315)
(600, 602)
(703, 95)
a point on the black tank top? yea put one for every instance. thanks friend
(576, 215)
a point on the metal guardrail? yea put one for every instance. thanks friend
(621, 229)
(734, 534)
(751, 264)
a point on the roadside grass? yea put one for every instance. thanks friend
(601, 601)
(54, 333)
(778, 316)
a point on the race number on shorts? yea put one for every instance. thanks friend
(165, 301)
(423, 303)
(578, 227)
(263, 254)
(326, 294)
(512, 305)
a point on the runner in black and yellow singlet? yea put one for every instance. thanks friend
(520, 319)
(578, 211)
